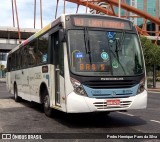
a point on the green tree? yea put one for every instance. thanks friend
(151, 55)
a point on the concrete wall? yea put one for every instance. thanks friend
(7, 46)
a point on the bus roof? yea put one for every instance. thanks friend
(40, 32)
(55, 22)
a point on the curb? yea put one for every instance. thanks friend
(154, 90)
(2, 80)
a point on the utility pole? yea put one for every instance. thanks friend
(0, 69)
(119, 8)
(157, 16)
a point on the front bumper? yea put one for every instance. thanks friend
(81, 104)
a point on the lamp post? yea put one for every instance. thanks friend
(119, 8)
(0, 70)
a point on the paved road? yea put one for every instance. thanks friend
(26, 117)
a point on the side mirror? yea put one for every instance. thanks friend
(62, 35)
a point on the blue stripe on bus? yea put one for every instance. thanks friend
(110, 93)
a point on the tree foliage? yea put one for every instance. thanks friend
(151, 52)
(151, 56)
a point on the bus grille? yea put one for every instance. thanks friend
(103, 105)
(103, 96)
(110, 84)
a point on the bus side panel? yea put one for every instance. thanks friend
(64, 79)
(25, 84)
(68, 85)
(18, 80)
(62, 94)
(12, 78)
(52, 84)
(35, 80)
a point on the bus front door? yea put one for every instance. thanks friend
(59, 64)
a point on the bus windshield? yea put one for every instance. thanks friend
(104, 53)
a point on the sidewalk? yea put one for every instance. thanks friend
(154, 90)
(3, 80)
(157, 89)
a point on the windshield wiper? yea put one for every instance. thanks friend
(118, 45)
(117, 50)
(122, 40)
(87, 44)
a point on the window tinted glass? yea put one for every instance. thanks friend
(42, 51)
(102, 53)
(18, 59)
(24, 53)
(35, 53)
(32, 53)
(13, 61)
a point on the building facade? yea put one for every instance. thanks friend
(152, 7)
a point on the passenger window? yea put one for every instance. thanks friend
(18, 59)
(21, 58)
(24, 53)
(32, 53)
(42, 52)
(13, 61)
(9, 63)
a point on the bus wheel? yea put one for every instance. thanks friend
(46, 104)
(16, 97)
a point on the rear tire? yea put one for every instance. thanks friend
(46, 104)
(16, 97)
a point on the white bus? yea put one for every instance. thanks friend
(80, 63)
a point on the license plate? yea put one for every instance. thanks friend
(113, 102)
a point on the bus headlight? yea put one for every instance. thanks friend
(78, 88)
(141, 86)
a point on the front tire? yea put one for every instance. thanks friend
(16, 97)
(46, 104)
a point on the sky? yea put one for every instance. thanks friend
(26, 12)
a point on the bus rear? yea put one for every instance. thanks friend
(104, 69)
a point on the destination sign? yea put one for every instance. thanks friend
(101, 23)
(86, 67)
